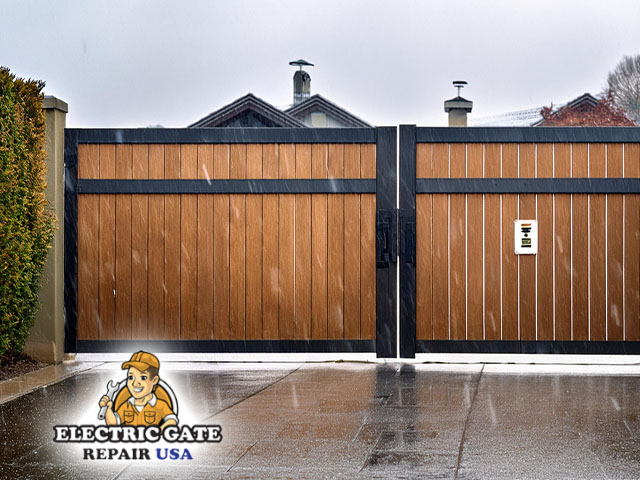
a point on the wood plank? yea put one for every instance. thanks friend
(156, 248)
(615, 222)
(221, 247)
(424, 250)
(188, 246)
(107, 247)
(270, 272)
(237, 250)
(368, 246)
(319, 246)
(527, 263)
(172, 247)
(510, 325)
(597, 249)
(205, 229)
(457, 253)
(632, 247)
(440, 234)
(139, 247)
(545, 247)
(492, 241)
(352, 167)
(88, 225)
(562, 245)
(287, 254)
(335, 241)
(475, 284)
(580, 252)
(123, 246)
(302, 329)
(254, 247)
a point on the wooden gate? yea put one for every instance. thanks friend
(229, 240)
(463, 289)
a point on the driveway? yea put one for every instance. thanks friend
(353, 420)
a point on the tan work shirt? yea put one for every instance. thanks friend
(153, 412)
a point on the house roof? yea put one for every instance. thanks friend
(247, 104)
(319, 103)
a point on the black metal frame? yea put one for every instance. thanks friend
(384, 186)
(410, 135)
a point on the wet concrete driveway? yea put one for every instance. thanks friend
(352, 420)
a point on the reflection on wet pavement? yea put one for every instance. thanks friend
(351, 420)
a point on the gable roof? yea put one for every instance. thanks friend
(249, 104)
(319, 103)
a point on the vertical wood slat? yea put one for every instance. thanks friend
(302, 328)
(139, 246)
(270, 226)
(335, 243)
(254, 317)
(475, 284)
(288, 251)
(156, 234)
(368, 247)
(597, 249)
(319, 246)
(457, 254)
(632, 247)
(123, 246)
(614, 239)
(492, 241)
(172, 247)
(527, 263)
(188, 246)
(106, 250)
(88, 227)
(237, 250)
(562, 246)
(580, 245)
(509, 259)
(204, 241)
(545, 272)
(440, 235)
(221, 247)
(352, 165)
(424, 250)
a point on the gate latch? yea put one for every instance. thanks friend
(386, 237)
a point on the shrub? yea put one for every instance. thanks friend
(26, 223)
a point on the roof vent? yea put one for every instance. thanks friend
(301, 81)
(458, 107)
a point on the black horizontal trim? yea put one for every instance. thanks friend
(227, 346)
(341, 185)
(527, 134)
(527, 185)
(507, 346)
(224, 135)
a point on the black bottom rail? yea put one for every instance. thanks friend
(540, 346)
(226, 346)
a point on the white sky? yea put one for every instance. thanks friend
(137, 63)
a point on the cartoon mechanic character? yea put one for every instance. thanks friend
(138, 404)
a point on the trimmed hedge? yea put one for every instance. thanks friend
(26, 223)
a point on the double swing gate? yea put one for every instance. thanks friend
(289, 240)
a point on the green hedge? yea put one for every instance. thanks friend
(26, 223)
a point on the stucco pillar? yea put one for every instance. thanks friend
(46, 338)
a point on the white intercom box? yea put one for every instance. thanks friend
(526, 237)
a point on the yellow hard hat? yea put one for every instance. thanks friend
(142, 361)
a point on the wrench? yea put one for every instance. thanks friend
(112, 389)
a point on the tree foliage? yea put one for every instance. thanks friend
(26, 223)
(603, 114)
(624, 84)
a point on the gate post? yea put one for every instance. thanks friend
(386, 177)
(407, 234)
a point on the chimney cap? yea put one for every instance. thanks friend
(300, 63)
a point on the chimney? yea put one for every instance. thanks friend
(301, 81)
(458, 107)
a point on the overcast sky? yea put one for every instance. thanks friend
(133, 63)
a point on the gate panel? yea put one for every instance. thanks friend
(472, 293)
(227, 246)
